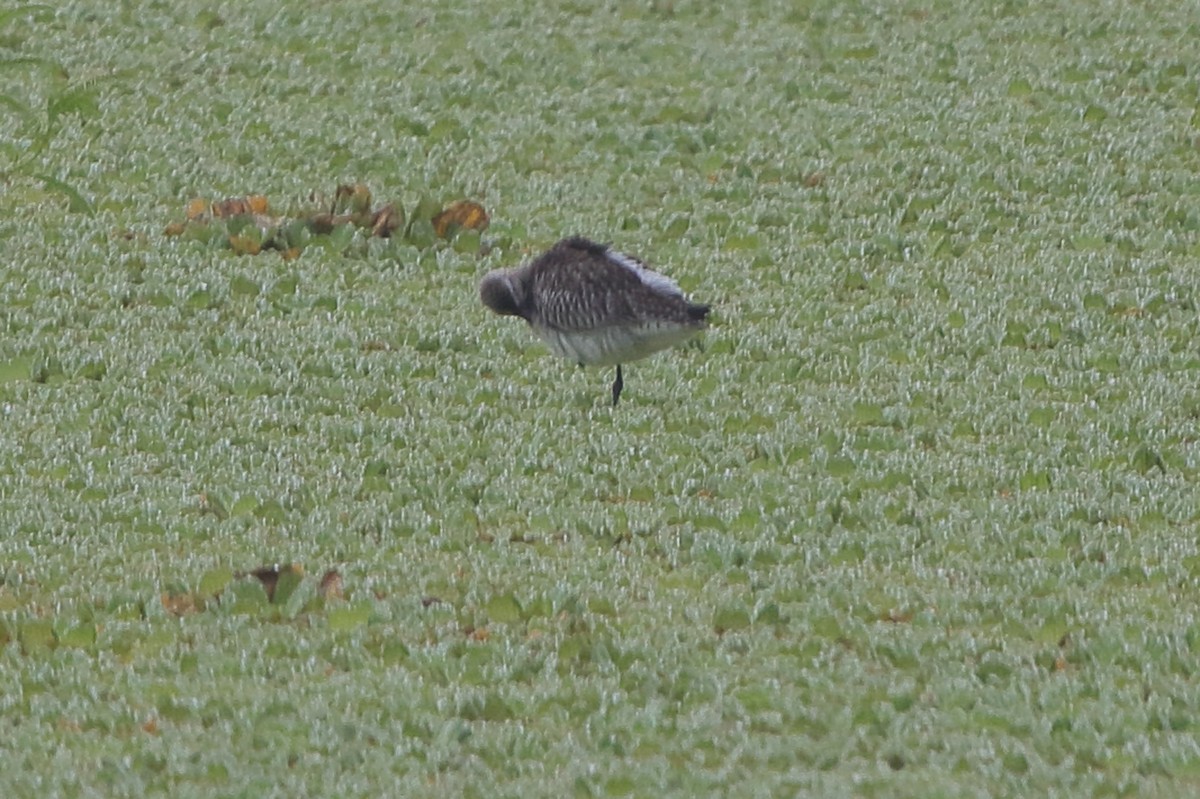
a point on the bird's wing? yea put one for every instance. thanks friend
(600, 293)
(586, 299)
(658, 282)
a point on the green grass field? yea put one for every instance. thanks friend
(918, 518)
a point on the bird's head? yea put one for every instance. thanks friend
(503, 293)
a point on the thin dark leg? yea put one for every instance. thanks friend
(618, 384)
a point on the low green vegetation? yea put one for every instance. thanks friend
(917, 518)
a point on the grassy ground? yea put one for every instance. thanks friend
(919, 519)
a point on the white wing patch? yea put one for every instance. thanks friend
(648, 276)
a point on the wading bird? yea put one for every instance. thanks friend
(594, 305)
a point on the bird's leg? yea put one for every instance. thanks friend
(618, 384)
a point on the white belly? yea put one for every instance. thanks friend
(613, 345)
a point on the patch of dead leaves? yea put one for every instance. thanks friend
(249, 226)
(330, 588)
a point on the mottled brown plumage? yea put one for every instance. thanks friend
(594, 305)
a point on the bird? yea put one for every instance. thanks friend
(594, 305)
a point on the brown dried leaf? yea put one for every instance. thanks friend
(234, 206)
(258, 205)
(196, 209)
(387, 220)
(331, 585)
(462, 214)
(175, 229)
(322, 224)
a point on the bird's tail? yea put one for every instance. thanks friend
(698, 313)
